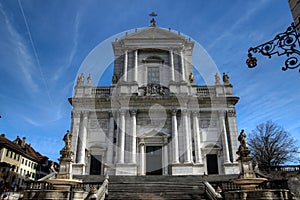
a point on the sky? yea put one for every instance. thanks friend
(44, 43)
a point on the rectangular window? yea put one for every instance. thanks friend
(15, 157)
(21, 171)
(153, 75)
(22, 160)
(26, 162)
(29, 163)
(11, 154)
(7, 153)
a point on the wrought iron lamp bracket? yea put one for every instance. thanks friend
(286, 43)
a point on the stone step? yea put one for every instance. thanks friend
(154, 195)
(156, 187)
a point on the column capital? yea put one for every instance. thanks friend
(85, 113)
(111, 114)
(174, 112)
(122, 111)
(231, 113)
(221, 112)
(133, 111)
(195, 113)
(185, 112)
(142, 141)
(166, 141)
(75, 114)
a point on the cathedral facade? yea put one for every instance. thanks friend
(153, 119)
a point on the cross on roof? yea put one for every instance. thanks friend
(153, 22)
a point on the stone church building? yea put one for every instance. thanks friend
(153, 119)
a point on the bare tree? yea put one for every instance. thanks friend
(271, 145)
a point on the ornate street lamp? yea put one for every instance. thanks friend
(286, 43)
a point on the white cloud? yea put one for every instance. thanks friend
(61, 70)
(22, 56)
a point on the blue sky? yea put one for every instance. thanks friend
(43, 43)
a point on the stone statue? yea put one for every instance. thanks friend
(226, 79)
(52, 168)
(80, 79)
(89, 79)
(217, 78)
(67, 139)
(152, 23)
(154, 90)
(243, 150)
(114, 79)
(191, 78)
(242, 140)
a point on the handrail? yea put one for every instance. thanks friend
(49, 176)
(211, 192)
(99, 194)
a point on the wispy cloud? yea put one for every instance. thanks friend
(22, 56)
(229, 30)
(73, 52)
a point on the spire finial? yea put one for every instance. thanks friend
(153, 22)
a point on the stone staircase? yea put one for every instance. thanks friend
(155, 188)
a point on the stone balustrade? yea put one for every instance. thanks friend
(101, 91)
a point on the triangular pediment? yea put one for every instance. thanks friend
(154, 33)
(153, 132)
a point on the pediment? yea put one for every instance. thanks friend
(154, 33)
(212, 146)
(153, 133)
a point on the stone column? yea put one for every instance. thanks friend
(133, 148)
(122, 137)
(197, 138)
(182, 65)
(135, 65)
(232, 133)
(166, 157)
(75, 130)
(175, 137)
(82, 138)
(224, 137)
(110, 142)
(187, 139)
(172, 65)
(125, 65)
(142, 157)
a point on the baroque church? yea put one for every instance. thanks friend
(153, 119)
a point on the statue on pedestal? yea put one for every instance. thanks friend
(114, 79)
(89, 79)
(66, 158)
(226, 79)
(217, 78)
(191, 78)
(80, 80)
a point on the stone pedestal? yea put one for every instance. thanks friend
(126, 169)
(187, 169)
(78, 169)
(231, 168)
(257, 195)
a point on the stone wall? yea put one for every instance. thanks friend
(294, 185)
(295, 9)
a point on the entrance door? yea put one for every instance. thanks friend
(95, 167)
(153, 160)
(212, 164)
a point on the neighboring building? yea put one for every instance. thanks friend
(19, 161)
(295, 9)
(154, 119)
